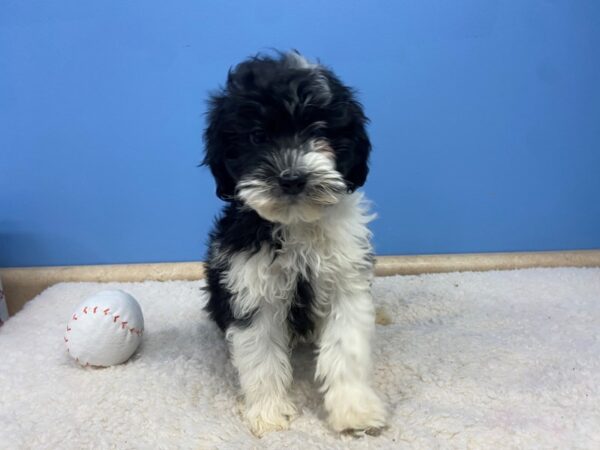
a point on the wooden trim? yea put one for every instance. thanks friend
(22, 284)
(478, 262)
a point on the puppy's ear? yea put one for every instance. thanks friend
(346, 124)
(350, 140)
(215, 147)
(357, 164)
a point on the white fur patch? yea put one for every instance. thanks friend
(298, 61)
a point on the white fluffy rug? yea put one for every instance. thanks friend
(470, 360)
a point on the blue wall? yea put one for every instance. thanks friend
(485, 120)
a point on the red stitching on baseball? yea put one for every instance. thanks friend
(106, 311)
(95, 308)
(115, 318)
(85, 309)
(74, 316)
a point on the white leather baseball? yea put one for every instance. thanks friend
(105, 329)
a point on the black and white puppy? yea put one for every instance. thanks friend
(290, 255)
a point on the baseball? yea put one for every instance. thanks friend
(105, 329)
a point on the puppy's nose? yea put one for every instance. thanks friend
(292, 182)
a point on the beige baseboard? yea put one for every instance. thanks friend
(22, 284)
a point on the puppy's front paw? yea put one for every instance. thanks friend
(355, 408)
(270, 415)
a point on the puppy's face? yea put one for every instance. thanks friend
(286, 138)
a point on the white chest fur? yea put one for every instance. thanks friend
(332, 253)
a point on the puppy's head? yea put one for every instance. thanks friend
(286, 138)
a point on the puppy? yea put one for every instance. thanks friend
(290, 256)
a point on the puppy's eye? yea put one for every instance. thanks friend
(258, 137)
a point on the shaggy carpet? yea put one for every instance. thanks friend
(464, 360)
